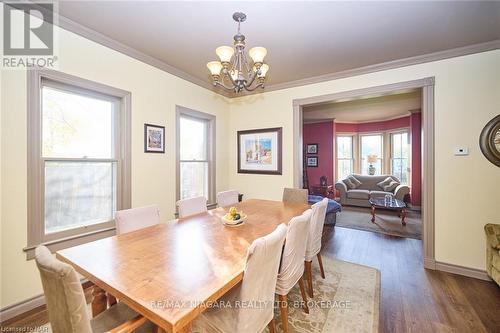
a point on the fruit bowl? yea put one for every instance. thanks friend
(233, 217)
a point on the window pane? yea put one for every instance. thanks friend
(345, 168)
(371, 145)
(344, 146)
(193, 136)
(78, 194)
(400, 156)
(194, 179)
(76, 125)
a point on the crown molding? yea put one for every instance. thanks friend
(430, 57)
(79, 29)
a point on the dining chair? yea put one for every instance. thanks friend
(136, 218)
(191, 206)
(227, 198)
(66, 305)
(314, 241)
(255, 294)
(295, 195)
(292, 264)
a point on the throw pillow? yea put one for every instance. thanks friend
(385, 182)
(352, 183)
(392, 186)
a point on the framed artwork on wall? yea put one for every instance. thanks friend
(312, 148)
(489, 141)
(259, 151)
(154, 138)
(312, 161)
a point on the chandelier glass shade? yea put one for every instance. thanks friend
(233, 71)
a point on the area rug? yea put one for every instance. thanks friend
(386, 222)
(346, 301)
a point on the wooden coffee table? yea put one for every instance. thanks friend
(393, 204)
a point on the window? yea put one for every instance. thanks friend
(196, 154)
(78, 157)
(400, 156)
(371, 153)
(345, 161)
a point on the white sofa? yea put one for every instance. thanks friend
(368, 189)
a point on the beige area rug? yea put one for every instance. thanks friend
(386, 221)
(347, 301)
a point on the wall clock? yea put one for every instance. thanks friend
(489, 141)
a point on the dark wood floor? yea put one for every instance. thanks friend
(412, 299)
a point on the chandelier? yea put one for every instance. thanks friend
(239, 74)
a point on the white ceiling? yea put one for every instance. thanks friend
(304, 39)
(366, 109)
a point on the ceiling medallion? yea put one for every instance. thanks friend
(239, 75)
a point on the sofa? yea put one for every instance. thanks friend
(493, 251)
(367, 188)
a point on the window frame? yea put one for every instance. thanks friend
(391, 152)
(211, 150)
(353, 153)
(36, 80)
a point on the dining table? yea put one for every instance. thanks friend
(171, 272)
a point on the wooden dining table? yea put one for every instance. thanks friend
(170, 272)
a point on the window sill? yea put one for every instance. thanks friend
(63, 243)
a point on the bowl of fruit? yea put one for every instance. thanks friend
(233, 217)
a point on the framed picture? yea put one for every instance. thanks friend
(312, 148)
(259, 151)
(489, 141)
(312, 161)
(154, 138)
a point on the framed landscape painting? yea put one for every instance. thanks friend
(154, 138)
(259, 151)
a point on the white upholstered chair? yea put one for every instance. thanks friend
(295, 195)
(314, 240)
(227, 198)
(67, 307)
(191, 206)
(257, 287)
(292, 263)
(136, 218)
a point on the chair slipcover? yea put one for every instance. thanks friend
(192, 206)
(66, 303)
(295, 195)
(227, 198)
(292, 262)
(256, 291)
(316, 229)
(136, 218)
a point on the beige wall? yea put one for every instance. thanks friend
(154, 96)
(467, 96)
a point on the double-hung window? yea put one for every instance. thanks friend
(400, 156)
(78, 157)
(345, 158)
(196, 154)
(371, 153)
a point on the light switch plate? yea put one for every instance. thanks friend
(461, 151)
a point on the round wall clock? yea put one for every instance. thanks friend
(489, 141)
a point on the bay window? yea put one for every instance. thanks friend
(371, 153)
(345, 156)
(400, 156)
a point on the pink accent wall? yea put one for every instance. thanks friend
(325, 132)
(322, 134)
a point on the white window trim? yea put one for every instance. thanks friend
(80, 235)
(390, 135)
(386, 149)
(183, 111)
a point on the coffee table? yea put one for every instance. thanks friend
(393, 204)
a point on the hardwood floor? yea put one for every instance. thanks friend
(412, 299)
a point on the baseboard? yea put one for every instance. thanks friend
(19, 308)
(429, 263)
(460, 270)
